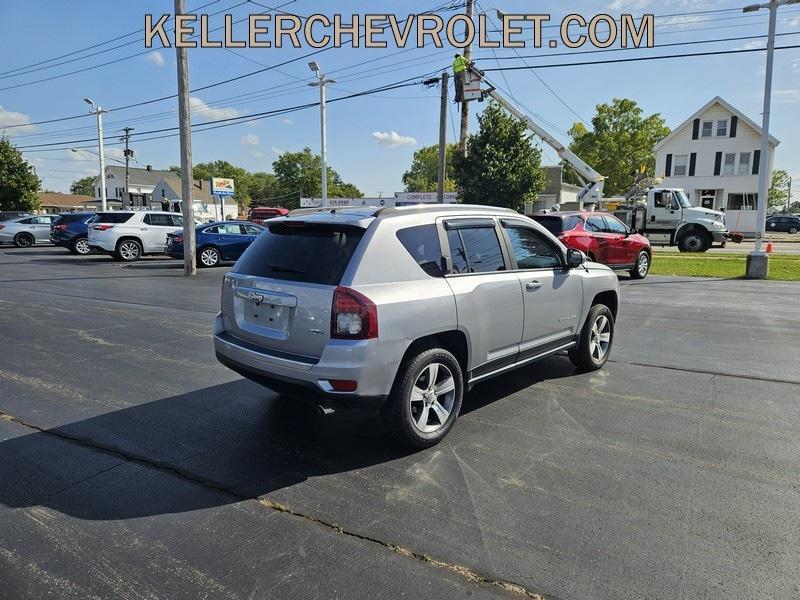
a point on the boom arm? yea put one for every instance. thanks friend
(593, 180)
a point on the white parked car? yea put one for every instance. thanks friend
(130, 234)
(24, 232)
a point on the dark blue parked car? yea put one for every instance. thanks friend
(69, 230)
(216, 242)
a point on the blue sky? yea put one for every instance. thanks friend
(371, 139)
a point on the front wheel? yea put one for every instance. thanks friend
(694, 241)
(426, 399)
(642, 266)
(596, 340)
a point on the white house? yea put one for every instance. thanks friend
(142, 183)
(714, 155)
(167, 194)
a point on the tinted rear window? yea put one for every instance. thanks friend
(423, 245)
(71, 218)
(475, 250)
(314, 253)
(112, 217)
(553, 224)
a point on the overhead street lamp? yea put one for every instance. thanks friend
(757, 260)
(321, 83)
(97, 110)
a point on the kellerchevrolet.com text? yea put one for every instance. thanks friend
(383, 30)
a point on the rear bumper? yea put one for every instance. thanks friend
(303, 378)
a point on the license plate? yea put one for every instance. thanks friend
(270, 316)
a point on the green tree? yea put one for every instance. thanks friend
(620, 142)
(779, 188)
(423, 175)
(83, 186)
(264, 190)
(298, 174)
(502, 167)
(18, 182)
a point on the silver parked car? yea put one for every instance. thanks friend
(406, 308)
(26, 231)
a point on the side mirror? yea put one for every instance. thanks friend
(575, 258)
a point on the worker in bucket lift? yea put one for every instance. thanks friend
(460, 66)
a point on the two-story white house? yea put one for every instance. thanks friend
(715, 155)
(142, 183)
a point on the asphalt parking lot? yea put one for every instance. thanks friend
(133, 465)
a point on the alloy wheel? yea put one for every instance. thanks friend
(432, 398)
(24, 241)
(600, 338)
(129, 250)
(82, 247)
(644, 264)
(209, 257)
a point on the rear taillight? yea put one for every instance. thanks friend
(2, 226)
(178, 239)
(343, 385)
(61, 227)
(353, 315)
(102, 227)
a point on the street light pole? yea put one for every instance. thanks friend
(757, 260)
(97, 110)
(322, 82)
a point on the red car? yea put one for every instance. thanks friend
(603, 238)
(260, 214)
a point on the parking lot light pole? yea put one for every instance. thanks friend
(758, 260)
(97, 110)
(323, 119)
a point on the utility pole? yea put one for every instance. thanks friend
(128, 155)
(443, 138)
(322, 82)
(758, 260)
(97, 110)
(464, 129)
(789, 197)
(184, 115)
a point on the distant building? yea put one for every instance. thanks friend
(142, 183)
(714, 155)
(52, 203)
(557, 191)
(167, 194)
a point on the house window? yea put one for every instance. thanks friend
(744, 163)
(742, 201)
(708, 128)
(730, 163)
(722, 128)
(680, 163)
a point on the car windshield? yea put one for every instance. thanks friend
(682, 199)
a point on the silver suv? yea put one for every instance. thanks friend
(406, 308)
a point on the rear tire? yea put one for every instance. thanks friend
(694, 241)
(128, 250)
(642, 266)
(426, 399)
(24, 240)
(596, 340)
(208, 257)
(80, 247)
(793, 230)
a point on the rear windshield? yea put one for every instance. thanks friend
(311, 253)
(112, 217)
(71, 218)
(556, 225)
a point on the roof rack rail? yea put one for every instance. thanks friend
(426, 208)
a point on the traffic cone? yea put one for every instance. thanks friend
(769, 247)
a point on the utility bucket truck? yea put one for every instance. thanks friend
(664, 215)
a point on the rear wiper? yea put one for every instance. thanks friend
(282, 269)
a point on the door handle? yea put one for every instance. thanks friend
(533, 285)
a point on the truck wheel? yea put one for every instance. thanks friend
(694, 241)
(642, 266)
(596, 339)
(426, 399)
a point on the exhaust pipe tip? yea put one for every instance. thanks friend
(324, 410)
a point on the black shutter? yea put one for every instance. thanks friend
(718, 163)
(756, 161)
(696, 129)
(734, 124)
(692, 163)
(668, 169)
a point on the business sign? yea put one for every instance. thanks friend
(222, 186)
(343, 202)
(405, 198)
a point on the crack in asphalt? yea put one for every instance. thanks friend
(467, 573)
(705, 372)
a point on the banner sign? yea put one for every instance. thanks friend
(222, 186)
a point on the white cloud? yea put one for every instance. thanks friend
(155, 57)
(277, 151)
(392, 139)
(208, 113)
(751, 45)
(251, 139)
(795, 22)
(628, 5)
(787, 96)
(257, 154)
(286, 121)
(8, 117)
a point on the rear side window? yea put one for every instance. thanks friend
(112, 217)
(159, 220)
(554, 225)
(595, 223)
(475, 250)
(422, 243)
(310, 253)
